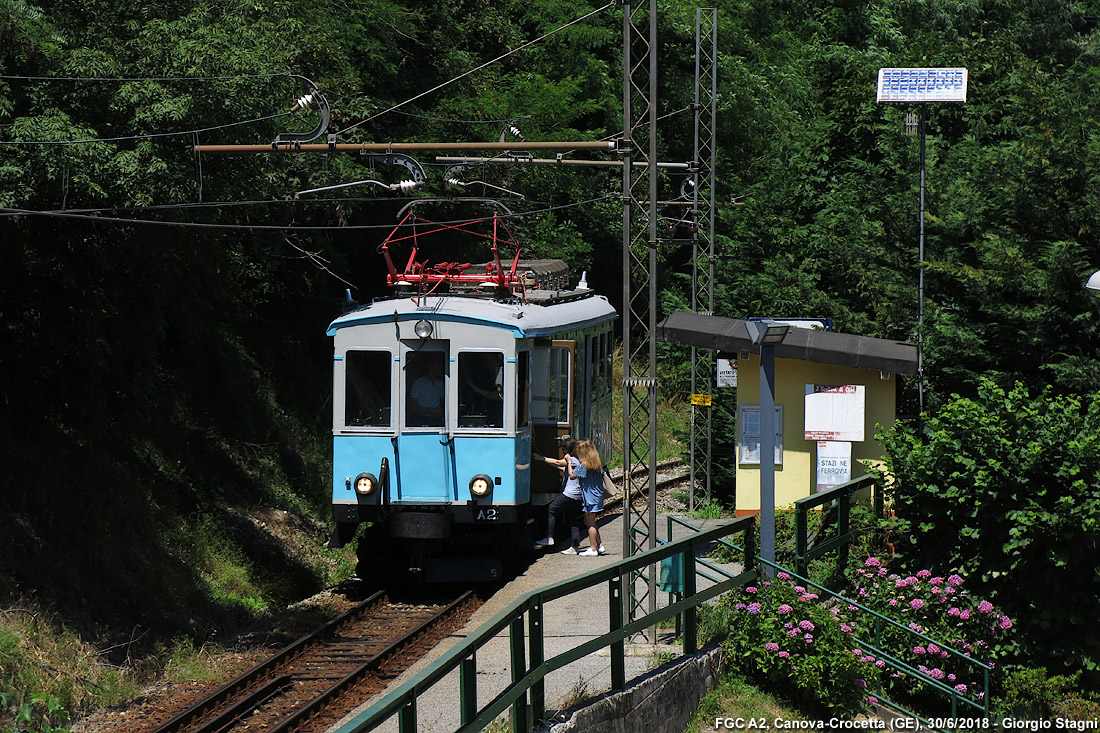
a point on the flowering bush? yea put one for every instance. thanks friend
(779, 632)
(939, 608)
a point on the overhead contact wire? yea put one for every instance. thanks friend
(479, 68)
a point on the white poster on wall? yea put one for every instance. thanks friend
(834, 463)
(834, 412)
(727, 373)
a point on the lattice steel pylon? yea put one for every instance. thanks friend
(702, 266)
(640, 295)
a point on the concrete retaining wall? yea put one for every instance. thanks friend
(659, 702)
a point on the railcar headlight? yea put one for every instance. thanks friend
(481, 485)
(365, 483)
(423, 329)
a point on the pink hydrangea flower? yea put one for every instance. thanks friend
(954, 580)
(771, 646)
(985, 607)
(784, 609)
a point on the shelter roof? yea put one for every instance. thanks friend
(730, 337)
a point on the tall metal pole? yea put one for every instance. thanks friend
(767, 455)
(920, 286)
(702, 264)
(640, 295)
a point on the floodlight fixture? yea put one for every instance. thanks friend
(1094, 281)
(922, 85)
(767, 333)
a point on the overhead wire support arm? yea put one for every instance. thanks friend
(277, 147)
(685, 168)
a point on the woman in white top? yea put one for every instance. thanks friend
(566, 505)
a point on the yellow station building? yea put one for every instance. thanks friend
(838, 387)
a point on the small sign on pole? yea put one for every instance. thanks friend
(834, 463)
(701, 400)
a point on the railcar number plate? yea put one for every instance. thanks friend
(486, 514)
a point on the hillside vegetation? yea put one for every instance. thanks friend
(164, 371)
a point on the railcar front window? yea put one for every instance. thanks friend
(481, 389)
(367, 388)
(425, 393)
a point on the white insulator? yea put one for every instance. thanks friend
(404, 185)
(455, 182)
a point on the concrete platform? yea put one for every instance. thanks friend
(568, 622)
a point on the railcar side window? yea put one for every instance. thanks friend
(481, 389)
(425, 392)
(523, 390)
(367, 388)
(551, 389)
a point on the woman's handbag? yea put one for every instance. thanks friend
(609, 488)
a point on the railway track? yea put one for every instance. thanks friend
(316, 680)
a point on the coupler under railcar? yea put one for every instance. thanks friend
(458, 544)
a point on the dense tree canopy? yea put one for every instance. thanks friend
(162, 314)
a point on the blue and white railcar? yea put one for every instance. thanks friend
(440, 396)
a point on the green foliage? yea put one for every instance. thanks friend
(1031, 694)
(1014, 481)
(41, 714)
(780, 636)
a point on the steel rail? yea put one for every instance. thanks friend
(245, 680)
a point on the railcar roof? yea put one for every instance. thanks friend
(544, 312)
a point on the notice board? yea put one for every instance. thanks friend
(835, 412)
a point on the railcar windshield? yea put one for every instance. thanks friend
(367, 387)
(425, 391)
(481, 389)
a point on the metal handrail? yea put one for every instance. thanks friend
(842, 494)
(527, 708)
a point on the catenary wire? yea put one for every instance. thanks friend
(479, 68)
(5, 211)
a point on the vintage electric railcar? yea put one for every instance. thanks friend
(442, 390)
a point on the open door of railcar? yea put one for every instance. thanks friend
(552, 387)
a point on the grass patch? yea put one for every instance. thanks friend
(47, 671)
(735, 697)
(673, 419)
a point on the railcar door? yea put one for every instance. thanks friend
(552, 389)
(423, 470)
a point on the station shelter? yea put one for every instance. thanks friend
(833, 393)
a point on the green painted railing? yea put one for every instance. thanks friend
(842, 540)
(525, 694)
